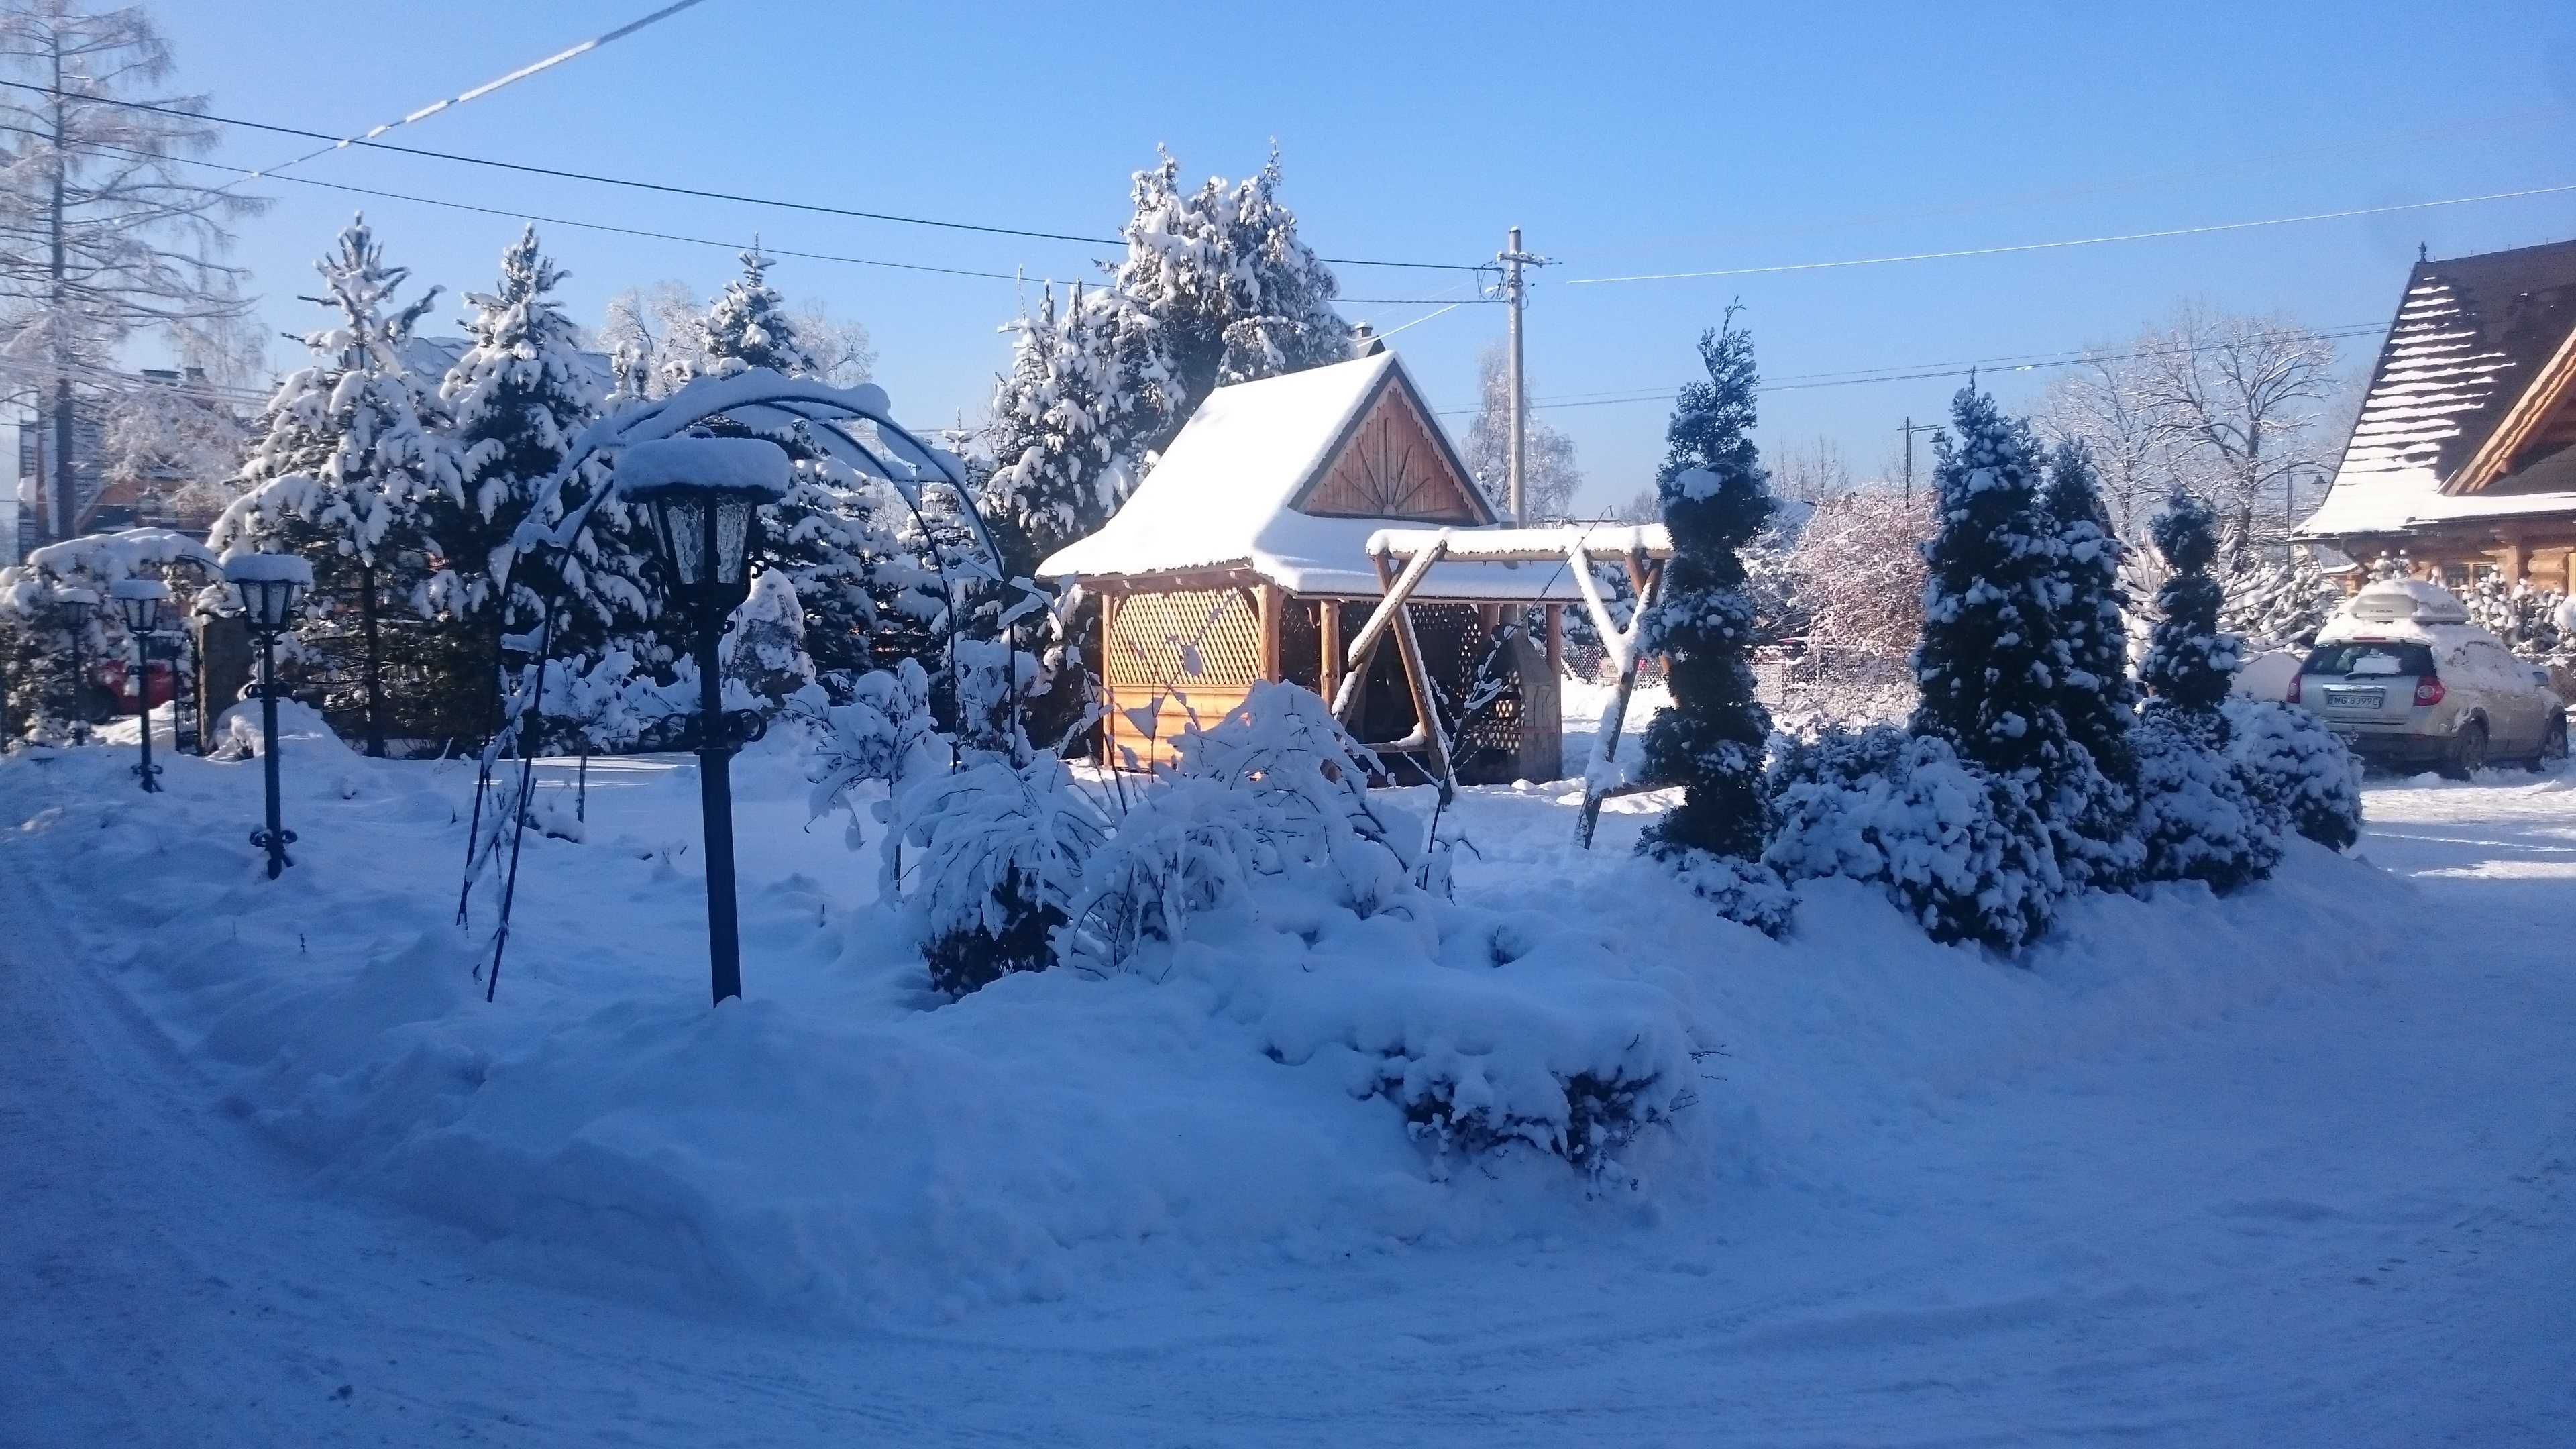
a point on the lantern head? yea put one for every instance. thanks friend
(704, 496)
(74, 606)
(271, 585)
(141, 600)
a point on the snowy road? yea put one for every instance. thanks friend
(2343, 1216)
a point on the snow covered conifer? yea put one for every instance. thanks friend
(515, 400)
(747, 326)
(1992, 660)
(1081, 396)
(2195, 815)
(1232, 292)
(2190, 660)
(1711, 740)
(347, 455)
(2095, 786)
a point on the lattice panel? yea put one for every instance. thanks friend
(1301, 643)
(1187, 640)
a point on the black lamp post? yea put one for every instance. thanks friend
(704, 495)
(271, 586)
(141, 600)
(72, 609)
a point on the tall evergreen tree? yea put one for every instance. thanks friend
(1992, 661)
(2095, 790)
(350, 449)
(516, 399)
(1232, 293)
(1711, 740)
(1077, 398)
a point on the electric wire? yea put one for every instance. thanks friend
(668, 189)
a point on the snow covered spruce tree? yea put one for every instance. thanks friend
(515, 400)
(1993, 660)
(1079, 400)
(2195, 816)
(2270, 603)
(2092, 815)
(1231, 292)
(349, 450)
(1710, 741)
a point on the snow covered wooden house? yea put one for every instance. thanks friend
(1244, 556)
(2464, 455)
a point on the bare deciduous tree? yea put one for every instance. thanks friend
(102, 236)
(1810, 474)
(1552, 477)
(2237, 409)
(847, 354)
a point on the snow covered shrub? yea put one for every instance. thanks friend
(884, 733)
(1710, 741)
(765, 657)
(996, 860)
(1958, 849)
(1273, 794)
(2092, 792)
(2295, 767)
(995, 684)
(2196, 817)
(1452, 1106)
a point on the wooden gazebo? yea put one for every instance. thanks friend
(1245, 556)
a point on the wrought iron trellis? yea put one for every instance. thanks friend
(851, 426)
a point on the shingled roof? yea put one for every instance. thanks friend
(2473, 335)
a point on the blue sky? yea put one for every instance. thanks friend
(1625, 139)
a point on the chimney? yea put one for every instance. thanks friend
(1365, 342)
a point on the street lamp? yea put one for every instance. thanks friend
(704, 495)
(72, 608)
(141, 601)
(271, 585)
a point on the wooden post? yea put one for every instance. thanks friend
(1273, 602)
(1328, 630)
(2514, 559)
(1417, 677)
(1108, 694)
(1615, 719)
(1556, 638)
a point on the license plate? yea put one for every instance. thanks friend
(2356, 698)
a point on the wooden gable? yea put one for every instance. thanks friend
(1393, 462)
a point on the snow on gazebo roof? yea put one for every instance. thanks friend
(1224, 496)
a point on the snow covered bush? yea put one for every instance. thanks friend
(2196, 817)
(2092, 794)
(987, 862)
(884, 733)
(1958, 849)
(2296, 768)
(766, 656)
(1274, 795)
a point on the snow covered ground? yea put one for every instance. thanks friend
(2293, 1168)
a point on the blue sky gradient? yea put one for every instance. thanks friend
(1624, 139)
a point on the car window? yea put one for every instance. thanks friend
(2370, 658)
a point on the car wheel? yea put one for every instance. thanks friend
(2553, 746)
(2468, 751)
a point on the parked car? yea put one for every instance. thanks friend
(2406, 680)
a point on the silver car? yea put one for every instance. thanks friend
(2444, 695)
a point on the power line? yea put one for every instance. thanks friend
(2089, 241)
(1803, 382)
(668, 189)
(488, 87)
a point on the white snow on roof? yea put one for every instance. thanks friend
(2433, 376)
(1219, 497)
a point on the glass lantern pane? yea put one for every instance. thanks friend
(733, 521)
(684, 532)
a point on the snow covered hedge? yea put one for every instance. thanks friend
(1956, 848)
(2297, 771)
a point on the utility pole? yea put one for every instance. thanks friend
(66, 508)
(1515, 292)
(1909, 430)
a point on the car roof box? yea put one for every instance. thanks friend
(2410, 599)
